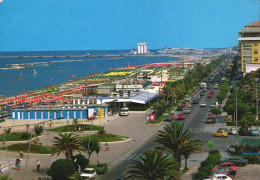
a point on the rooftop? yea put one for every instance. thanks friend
(254, 24)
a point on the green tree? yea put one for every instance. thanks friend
(216, 111)
(247, 121)
(152, 166)
(90, 146)
(238, 148)
(81, 161)
(177, 139)
(67, 143)
(61, 169)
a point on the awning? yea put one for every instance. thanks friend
(143, 97)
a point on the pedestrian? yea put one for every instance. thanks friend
(21, 153)
(106, 146)
(1, 169)
(79, 129)
(27, 125)
(18, 164)
(38, 165)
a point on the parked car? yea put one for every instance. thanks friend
(254, 132)
(218, 176)
(201, 93)
(186, 110)
(224, 129)
(243, 132)
(224, 170)
(88, 173)
(210, 120)
(168, 118)
(203, 104)
(204, 90)
(195, 101)
(181, 116)
(230, 149)
(209, 95)
(236, 160)
(210, 115)
(232, 131)
(179, 108)
(211, 92)
(228, 165)
(183, 104)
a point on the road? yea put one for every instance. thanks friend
(196, 121)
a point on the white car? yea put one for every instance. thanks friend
(186, 110)
(218, 177)
(88, 173)
(203, 104)
(232, 131)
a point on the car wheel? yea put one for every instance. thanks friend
(222, 136)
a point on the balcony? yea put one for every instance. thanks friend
(249, 38)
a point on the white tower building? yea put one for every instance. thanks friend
(142, 48)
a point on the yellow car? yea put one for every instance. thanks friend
(220, 133)
(215, 87)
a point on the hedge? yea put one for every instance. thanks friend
(207, 165)
(252, 159)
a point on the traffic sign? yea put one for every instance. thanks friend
(210, 143)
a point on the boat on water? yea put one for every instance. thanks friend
(34, 72)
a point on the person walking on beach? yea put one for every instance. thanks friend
(106, 146)
(38, 165)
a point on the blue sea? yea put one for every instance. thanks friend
(54, 71)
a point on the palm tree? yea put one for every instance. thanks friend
(177, 139)
(239, 148)
(67, 143)
(90, 146)
(153, 166)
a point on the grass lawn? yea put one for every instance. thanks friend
(69, 128)
(16, 136)
(107, 137)
(35, 148)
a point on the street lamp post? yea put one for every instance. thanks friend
(256, 80)
(236, 88)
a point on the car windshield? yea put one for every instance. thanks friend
(89, 171)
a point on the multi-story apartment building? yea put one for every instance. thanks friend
(249, 48)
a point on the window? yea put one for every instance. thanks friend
(256, 59)
(255, 51)
(255, 43)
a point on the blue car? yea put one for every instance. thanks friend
(254, 132)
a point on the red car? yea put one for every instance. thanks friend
(183, 104)
(210, 115)
(211, 92)
(209, 95)
(181, 116)
(226, 164)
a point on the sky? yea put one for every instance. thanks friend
(53, 25)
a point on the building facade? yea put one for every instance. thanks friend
(249, 47)
(142, 48)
